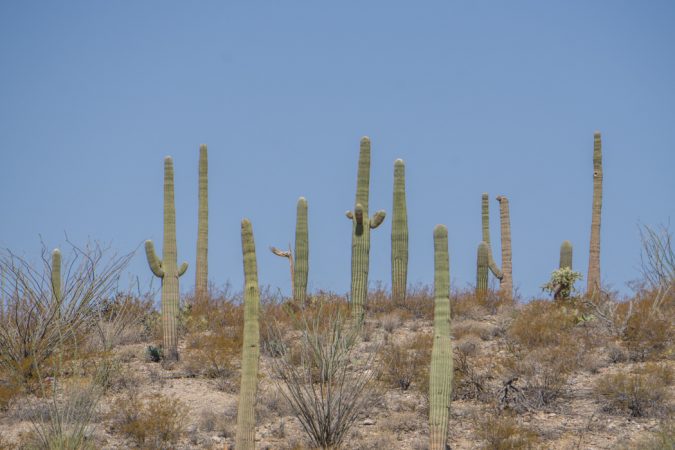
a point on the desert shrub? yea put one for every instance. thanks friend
(8, 391)
(68, 420)
(649, 327)
(419, 302)
(501, 431)
(541, 323)
(332, 384)
(154, 354)
(403, 365)
(663, 438)
(468, 380)
(122, 319)
(389, 322)
(641, 392)
(35, 322)
(153, 424)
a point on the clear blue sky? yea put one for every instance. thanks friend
(496, 96)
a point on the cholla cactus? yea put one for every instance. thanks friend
(561, 284)
(440, 373)
(250, 353)
(361, 226)
(399, 236)
(167, 268)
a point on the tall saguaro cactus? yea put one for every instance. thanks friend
(506, 283)
(565, 255)
(485, 219)
(482, 269)
(594, 251)
(440, 373)
(250, 356)
(399, 236)
(301, 269)
(167, 268)
(202, 266)
(361, 226)
(56, 277)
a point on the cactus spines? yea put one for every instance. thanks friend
(482, 269)
(301, 268)
(361, 226)
(202, 263)
(594, 251)
(167, 268)
(506, 282)
(399, 236)
(565, 255)
(250, 356)
(440, 373)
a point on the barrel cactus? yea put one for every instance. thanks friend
(167, 268)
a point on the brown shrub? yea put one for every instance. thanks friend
(642, 392)
(152, 425)
(541, 323)
(503, 432)
(649, 330)
(406, 364)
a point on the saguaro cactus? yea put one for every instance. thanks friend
(594, 251)
(361, 226)
(506, 283)
(167, 268)
(250, 356)
(202, 265)
(565, 255)
(504, 275)
(300, 263)
(301, 272)
(482, 269)
(399, 236)
(56, 276)
(440, 374)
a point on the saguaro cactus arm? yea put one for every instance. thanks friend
(182, 268)
(153, 261)
(377, 219)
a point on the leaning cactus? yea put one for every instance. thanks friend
(440, 374)
(399, 236)
(361, 225)
(565, 255)
(482, 269)
(506, 282)
(594, 252)
(202, 265)
(167, 268)
(250, 353)
(485, 219)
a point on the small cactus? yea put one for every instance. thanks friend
(482, 269)
(399, 236)
(565, 255)
(361, 226)
(202, 264)
(167, 268)
(250, 353)
(440, 373)
(593, 279)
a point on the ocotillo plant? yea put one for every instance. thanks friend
(361, 225)
(167, 268)
(202, 265)
(440, 373)
(399, 236)
(594, 251)
(250, 356)
(565, 255)
(300, 263)
(482, 269)
(506, 282)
